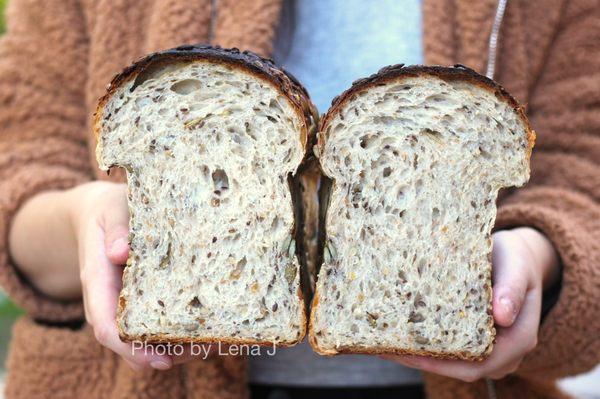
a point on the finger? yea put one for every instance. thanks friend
(86, 312)
(103, 284)
(513, 343)
(405, 360)
(508, 369)
(504, 355)
(510, 347)
(510, 279)
(116, 231)
(83, 276)
(458, 369)
(522, 335)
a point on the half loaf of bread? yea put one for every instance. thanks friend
(210, 139)
(416, 157)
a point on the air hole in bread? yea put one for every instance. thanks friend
(152, 72)
(210, 204)
(239, 268)
(220, 180)
(274, 104)
(142, 102)
(416, 180)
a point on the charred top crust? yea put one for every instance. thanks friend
(396, 72)
(261, 67)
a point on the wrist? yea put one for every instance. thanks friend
(42, 245)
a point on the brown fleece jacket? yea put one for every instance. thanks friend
(58, 56)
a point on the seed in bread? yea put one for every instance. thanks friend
(416, 156)
(209, 138)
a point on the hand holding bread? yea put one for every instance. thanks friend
(212, 141)
(524, 265)
(215, 141)
(100, 219)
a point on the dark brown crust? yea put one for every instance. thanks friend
(384, 76)
(261, 68)
(381, 350)
(398, 72)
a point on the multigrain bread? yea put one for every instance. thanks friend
(416, 157)
(211, 140)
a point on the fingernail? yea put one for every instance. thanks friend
(160, 365)
(510, 307)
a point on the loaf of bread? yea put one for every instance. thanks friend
(416, 157)
(211, 140)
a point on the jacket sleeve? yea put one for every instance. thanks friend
(42, 125)
(562, 198)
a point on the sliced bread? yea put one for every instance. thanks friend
(416, 157)
(211, 140)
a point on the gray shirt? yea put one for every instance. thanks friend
(327, 44)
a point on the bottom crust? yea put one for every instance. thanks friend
(382, 350)
(163, 339)
(387, 350)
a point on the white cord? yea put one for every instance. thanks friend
(491, 388)
(213, 21)
(493, 44)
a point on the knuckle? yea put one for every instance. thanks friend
(83, 275)
(501, 234)
(471, 376)
(86, 276)
(532, 344)
(101, 334)
(498, 375)
(513, 368)
(506, 371)
(88, 319)
(86, 314)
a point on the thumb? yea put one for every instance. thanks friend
(116, 231)
(510, 277)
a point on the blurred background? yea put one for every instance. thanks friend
(585, 386)
(8, 311)
(2, 4)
